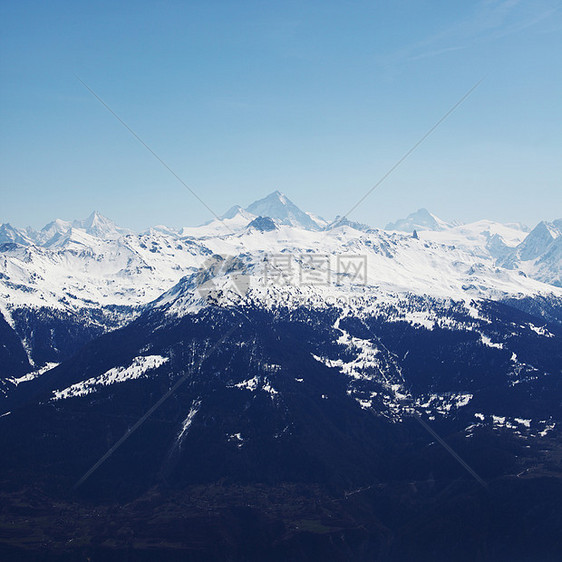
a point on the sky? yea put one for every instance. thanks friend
(318, 99)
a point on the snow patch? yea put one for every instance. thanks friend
(186, 424)
(488, 342)
(138, 368)
(34, 374)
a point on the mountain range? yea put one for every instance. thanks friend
(324, 390)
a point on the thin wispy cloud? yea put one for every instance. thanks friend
(490, 21)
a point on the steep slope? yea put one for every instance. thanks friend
(279, 207)
(86, 277)
(11, 235)
(309, 377)
(78, 286)
(101, 227)
(384, 360)
(95, 225)
(538, 241)
(316, 401)
(539, 254)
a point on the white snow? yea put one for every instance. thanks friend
(267, 387)
(250, 384)
(541, 330)
(138, 368)
(70, 265)
(34, 374)
(488, 342)
(548, 428)
(186, 424)
(237, 439)
(253, 384)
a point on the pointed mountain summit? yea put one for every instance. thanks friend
(101, 227)
(9, 234)
(232, 212)
(536, 244)
(95, 225)
(538, 240)
(280, 208)
(542, 250)
(422, 219)
(52, 230)
(276, 206)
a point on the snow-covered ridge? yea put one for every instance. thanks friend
(33, 375)
(58, 230)
(278, 266)
(91, 263)
(138, 368)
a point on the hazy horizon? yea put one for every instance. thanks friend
(221, 212)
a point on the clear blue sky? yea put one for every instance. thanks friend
(314, 98)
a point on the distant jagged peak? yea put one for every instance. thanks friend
(10, 234)
(95, 224)
(276, 206)
(92, 220)
(421, 219)
(553, 228)
(236, 212)
(547, 231)
(101, 227)
(232, 212)
(279, 207)
(539, 239)
(344, 221)
(58, 225)
(234, 219)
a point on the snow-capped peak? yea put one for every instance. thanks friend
(102, 227)
(538, 240)
(232, 212)
(280, 208)
(57, 228)
(9, 234)
(95, 225)
(422, 219)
